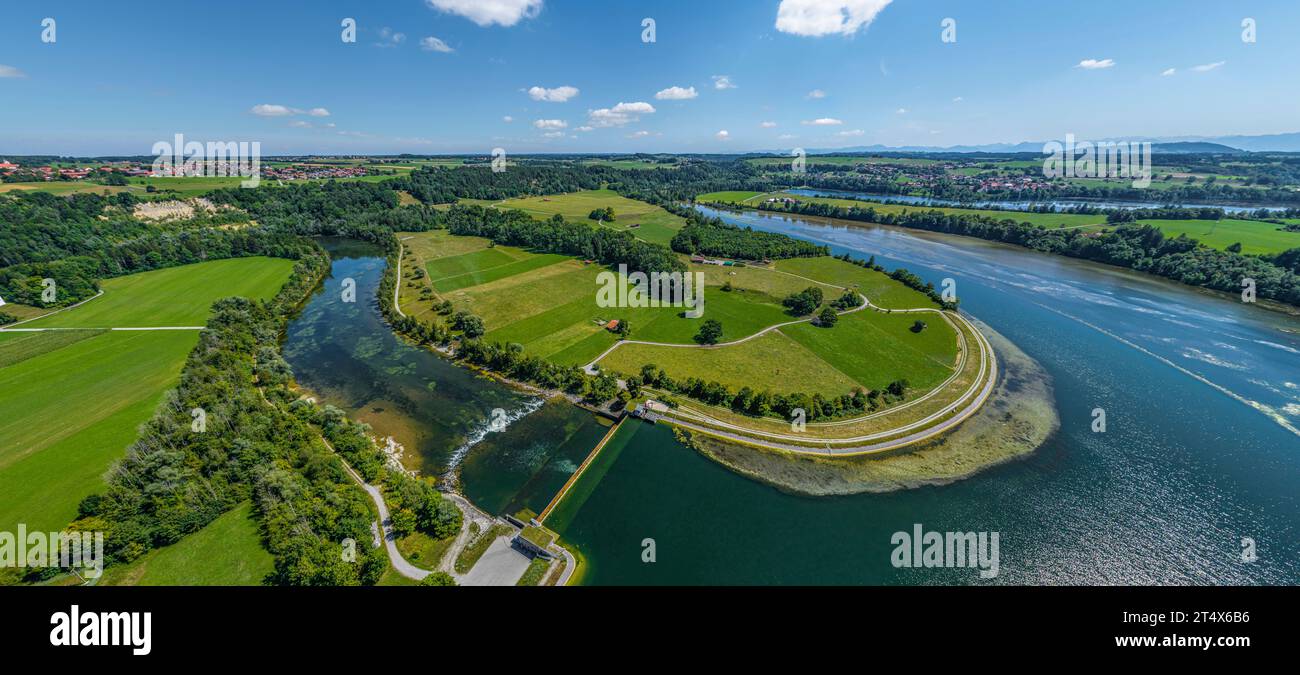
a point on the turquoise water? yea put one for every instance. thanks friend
(1200, 449)
(1202, 396)
(442, 414)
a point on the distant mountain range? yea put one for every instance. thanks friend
(1289, 142)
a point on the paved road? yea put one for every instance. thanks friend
(501, 565)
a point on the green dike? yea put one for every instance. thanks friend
(226, 552)
(66, 415)
(175, 296)
(563, 513)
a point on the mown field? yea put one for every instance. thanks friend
(1254, 236)
(227, 552)
(548, 304)
(174, 296)
(71, 400)
(653, 224)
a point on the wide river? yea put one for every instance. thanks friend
(1200, 452)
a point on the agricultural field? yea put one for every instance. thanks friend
(71, 400)
(174, 296)
(69, 187)
(68, 412)
(547, 304)
(654, 224)
(226, 552)
(1255, 236)
(728, 197)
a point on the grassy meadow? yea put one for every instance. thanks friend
(654, 224)
(548, 305)
(1255, 236)
(173, 296)
(71, 400)
(226, 552)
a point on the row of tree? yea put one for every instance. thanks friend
(1140, 247)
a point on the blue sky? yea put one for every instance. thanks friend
(122, 75)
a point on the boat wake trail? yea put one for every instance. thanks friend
(1268, 410)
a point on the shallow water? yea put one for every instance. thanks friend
(442, 414)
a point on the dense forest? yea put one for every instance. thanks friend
(712, 236)
(82, 239)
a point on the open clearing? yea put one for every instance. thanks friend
(1254, 236)
(71, 401)
(226, 552)
(653, 224)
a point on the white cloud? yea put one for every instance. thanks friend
(271, 110)
(488, 12)
(1205, 68)
(851, 132)
(556, 95)
(901, 111)
(276, 110)
(10, 71)
(823, 122)
(816, 93)
(329, 125)
(619, 115)
(676, 94)
(767, 125)
(389, 38)
(584, 128)
(300, 124)
(958, 99)
(723, 82)
(553, 134)
(507, 119)
(550, 124)
(814, 18)
(638, 134)
(722, 135)
(433, 44)
(1095, 64)
(1168, 71)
